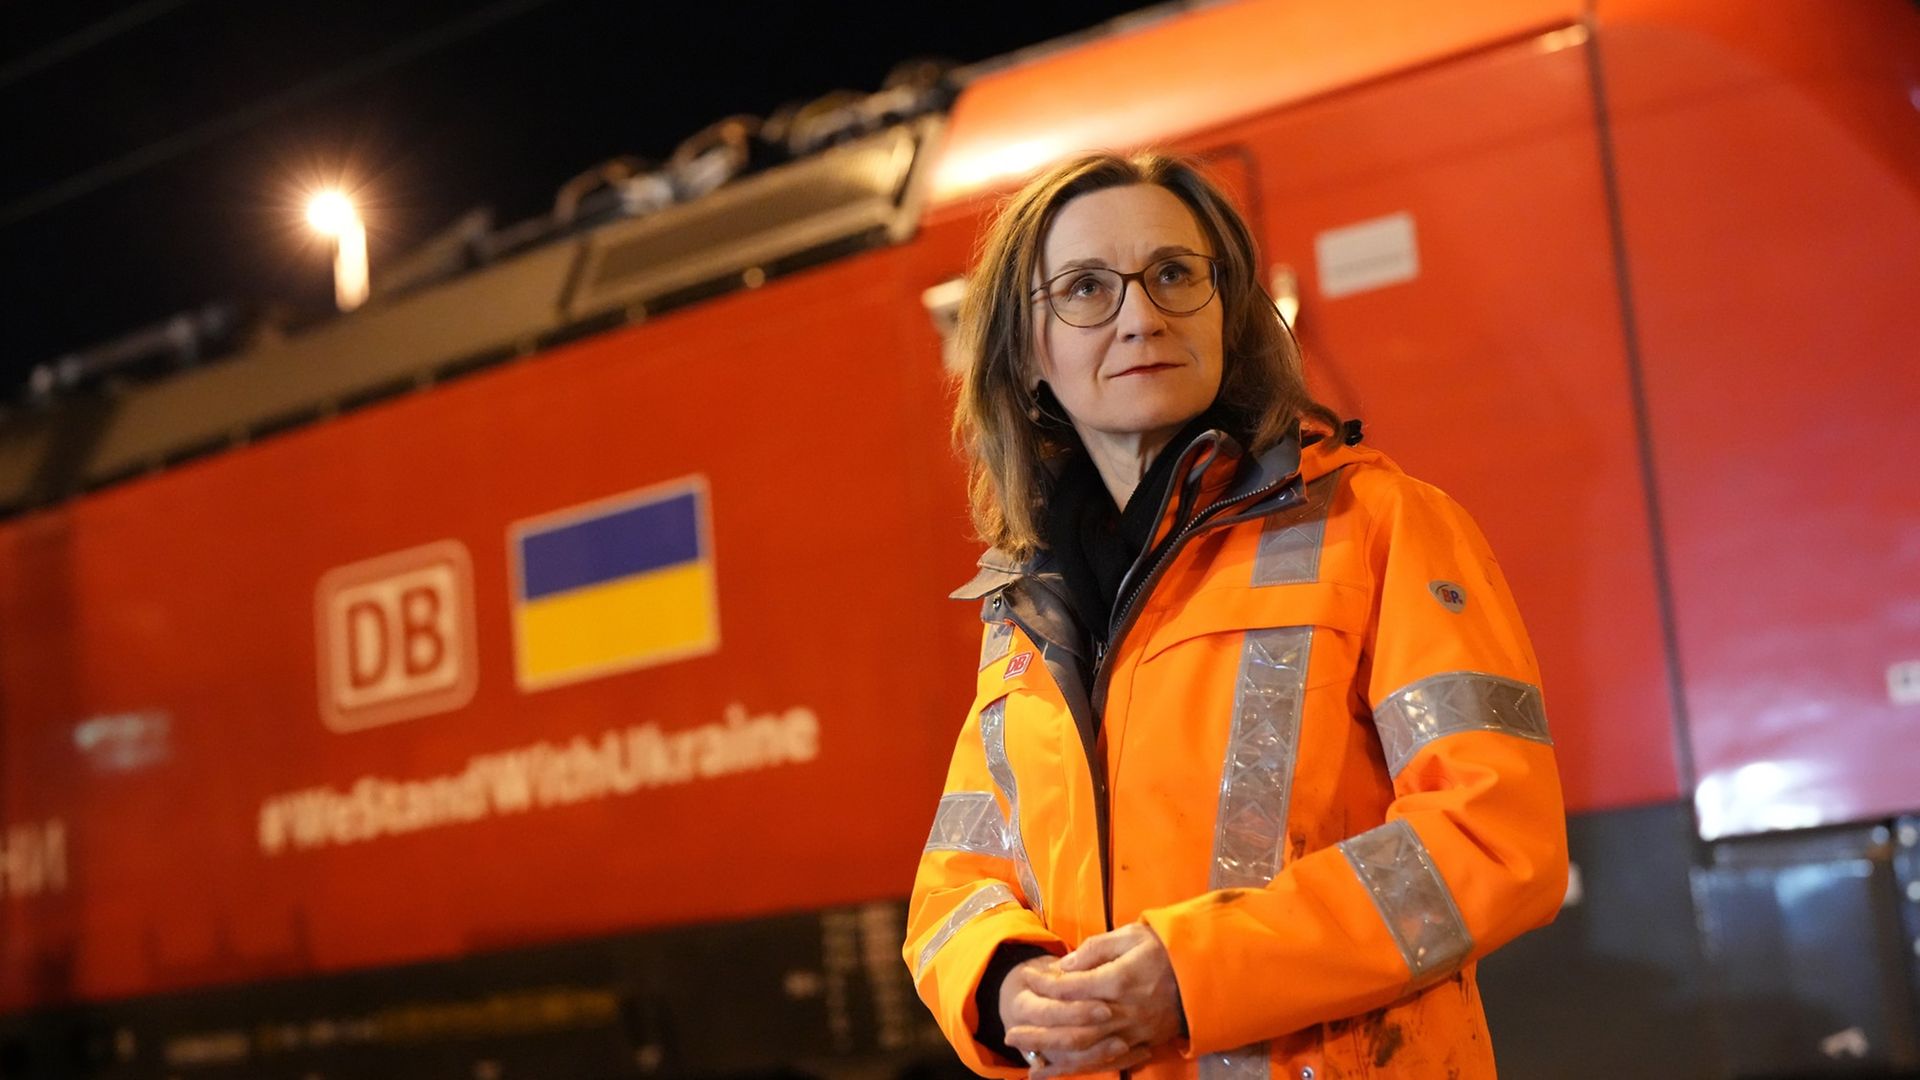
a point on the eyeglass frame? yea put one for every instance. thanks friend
(1044, 290)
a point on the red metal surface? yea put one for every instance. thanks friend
(837, 533)
(1204, 69)
(1768, 165)
(1499, 373)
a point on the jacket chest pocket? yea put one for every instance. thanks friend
(1267, 676)
(1251, 617)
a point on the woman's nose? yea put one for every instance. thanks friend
(1139, 316)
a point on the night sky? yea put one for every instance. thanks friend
(155, 153)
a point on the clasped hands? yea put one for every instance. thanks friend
(1100, 1008)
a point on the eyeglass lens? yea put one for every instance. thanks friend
(1179, 285)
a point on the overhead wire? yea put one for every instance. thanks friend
(86, 38)
(154, 153)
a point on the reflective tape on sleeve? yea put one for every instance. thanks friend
(993, 739)
(1291, 539)
(969, 821)
(1412, 899)
(1452, 702)
(982, 901)
(1256, 780)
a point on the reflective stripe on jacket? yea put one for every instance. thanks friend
(1321, 773)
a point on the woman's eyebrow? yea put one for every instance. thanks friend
(1153, 256)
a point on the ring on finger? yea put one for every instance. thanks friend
(1036, 1059)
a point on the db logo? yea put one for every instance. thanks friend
(396, 636)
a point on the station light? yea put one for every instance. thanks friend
(333, 215)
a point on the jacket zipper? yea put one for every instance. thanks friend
(1123, 617)
(1123, 621)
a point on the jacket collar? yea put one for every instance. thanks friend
(1213, 468)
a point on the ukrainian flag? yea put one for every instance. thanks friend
(622, 583)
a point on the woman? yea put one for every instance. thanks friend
(1257, 766)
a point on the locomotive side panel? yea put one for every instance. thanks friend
(1766, 170)
(1448, 229)
(770, 759)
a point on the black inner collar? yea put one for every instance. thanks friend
(1093, 542)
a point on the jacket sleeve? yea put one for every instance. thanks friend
(1473, 849)
(968, 899)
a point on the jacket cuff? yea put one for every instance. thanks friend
(991, 1031)
(951, 982)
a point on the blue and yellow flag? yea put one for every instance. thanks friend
(618, 584)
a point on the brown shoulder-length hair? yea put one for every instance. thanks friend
(1262, 393)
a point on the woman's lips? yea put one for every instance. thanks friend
(1146, 369)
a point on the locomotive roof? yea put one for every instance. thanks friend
(860, 172)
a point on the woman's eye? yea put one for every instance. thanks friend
(1085, 286)
(1173, 273)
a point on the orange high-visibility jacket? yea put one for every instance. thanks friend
(1314, 761)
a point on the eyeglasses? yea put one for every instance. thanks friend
(1091, 296)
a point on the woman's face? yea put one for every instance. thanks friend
(1141, 376)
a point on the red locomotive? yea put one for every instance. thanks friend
(470, 686)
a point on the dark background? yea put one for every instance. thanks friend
(154, 156)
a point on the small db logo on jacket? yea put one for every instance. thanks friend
(1451, 596)
(1017, 665)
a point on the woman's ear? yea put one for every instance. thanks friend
(1033, 372)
